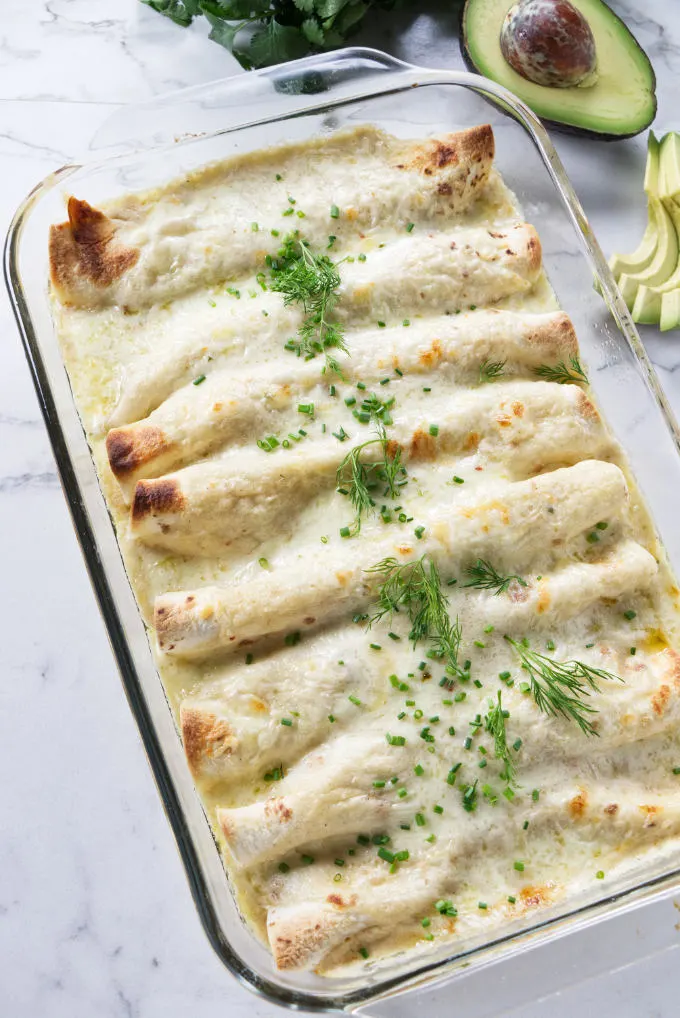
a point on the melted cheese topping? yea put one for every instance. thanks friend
(336, 764)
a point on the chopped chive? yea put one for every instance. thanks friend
(630, 615)
(420, 820)
(249, 659)
(482, 905)
(512, 899)
(519, 866)
(378, 784)
(344, 532)
(600, 874)
(419, 531)
(434, 430)
(375, 646)
(420, 770)
(402, 793)
(384, 853)
(409, 227)
(283, 867)
(536, 793)
(592, 537)
(363, 951)
(633, 651)
(361, 257)
(438, 809)
(335, 212)
(197, 381)
(287, 722)
(331, 718)
(355, 700)
(517, 744)
(307, 859)
(395, 740)
(601, 525)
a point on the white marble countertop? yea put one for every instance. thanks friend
(96, 918)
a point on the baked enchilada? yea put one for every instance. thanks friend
(404, 597)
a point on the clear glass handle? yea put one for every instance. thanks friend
(229, 103)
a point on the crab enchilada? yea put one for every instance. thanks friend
(402, 591)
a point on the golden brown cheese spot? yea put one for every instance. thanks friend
(543, 602)
(471, 442)
(339, 901)
(154, 498)
(518, 409)
(277, 809)
(577, 806)
(487, 507)
(585, 407)
(660, 699)
(650, 814)
(84, 249)
(611, 809)
(392, 448)
(504, 420)
(534, 253)
(475, 145)
(560, 337)
(534, 896)
(129, 448)
(205, 735)
(432, 356)
(423, 445)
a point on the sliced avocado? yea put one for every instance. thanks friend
(646, 309)
(670, 311)
(669, 183)
(646, 249)
(619, 103)
(651, 184)
(662, 264)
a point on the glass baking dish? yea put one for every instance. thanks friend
(148, 145)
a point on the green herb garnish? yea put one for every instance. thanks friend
(483, 576)
(416, 588)
(488, 370)
(562, 373)
(558, 687)
(311, 281)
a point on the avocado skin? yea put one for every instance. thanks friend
(581, 132)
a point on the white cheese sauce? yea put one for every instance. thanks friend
(582, 808)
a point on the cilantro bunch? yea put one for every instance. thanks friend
(263, 32)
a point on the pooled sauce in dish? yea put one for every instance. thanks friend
(402, 592)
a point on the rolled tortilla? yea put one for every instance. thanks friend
(615, 814)
(234, 406)
(232, 730)
(331, 793)
(446, 272)
(234, 502)
(198, 232)
(527, 521)
(463, 341)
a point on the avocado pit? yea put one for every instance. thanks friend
(548, 42)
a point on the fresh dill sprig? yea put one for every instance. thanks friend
(312, 281)
(357, 478)
(416, 588)
(488, 370)
(562, 373)
(559, 686)
(483, 576)
(495, 726)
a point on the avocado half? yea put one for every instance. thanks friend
(621, 102)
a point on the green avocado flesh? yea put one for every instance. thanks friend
(649, 278)
(620, 103)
